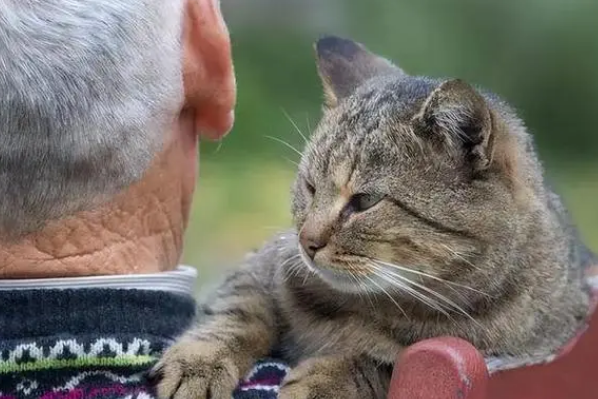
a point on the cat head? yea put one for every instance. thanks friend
(407, 180)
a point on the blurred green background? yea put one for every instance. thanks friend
(540, 55)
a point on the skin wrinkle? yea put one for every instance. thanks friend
(125, 248)
(141, 229)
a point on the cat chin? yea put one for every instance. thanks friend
(342, 282)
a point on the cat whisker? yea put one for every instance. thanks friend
(394, 282)
(440, 307)
(291, 259)
(441, 297)
(388, 295)
(449, 303)
(281, 141)
(366, 292)
(291, 161)
(291, 271)
(459, 256)
(294, 125)
(308, 124)
(304, 259)
(423, 274)
(294, 267)
(306, 274)
(309, 272)
(452, 286)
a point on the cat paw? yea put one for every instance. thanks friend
(306, 383)
(196, 370)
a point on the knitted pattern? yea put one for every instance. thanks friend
(98, 343)
(263, 381)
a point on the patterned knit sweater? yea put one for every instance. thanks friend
(98, 343)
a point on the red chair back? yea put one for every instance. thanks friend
(450, 368)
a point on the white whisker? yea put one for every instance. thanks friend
(459, 256)
(392, 280)
(308, 124)
(281, 141)
(294, 125)
(388, 295)
(291, 272)
(420, 273)
(291, 161)
(292, 258)
(366, 290)
(440, 306)
(437, 295)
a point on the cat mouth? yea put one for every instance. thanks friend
(374, 280)
(342, 280)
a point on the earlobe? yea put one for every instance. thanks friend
(208, 73)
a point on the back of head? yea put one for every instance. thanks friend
(87, 88)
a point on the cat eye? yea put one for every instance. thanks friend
(363, 202)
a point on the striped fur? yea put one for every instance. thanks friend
(421, 210)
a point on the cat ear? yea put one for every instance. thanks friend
(457, 113)
(343, 65)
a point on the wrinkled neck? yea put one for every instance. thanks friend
(139, 231)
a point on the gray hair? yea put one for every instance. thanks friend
(87, 88)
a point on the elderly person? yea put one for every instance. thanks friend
(101, 107)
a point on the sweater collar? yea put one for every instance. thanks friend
(179, 281)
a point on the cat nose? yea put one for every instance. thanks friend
(311, 245)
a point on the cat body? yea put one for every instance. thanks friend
(421, 210)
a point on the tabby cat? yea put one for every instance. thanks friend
(421, 210)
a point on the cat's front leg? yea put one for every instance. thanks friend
(236, 328)
(334, 377)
